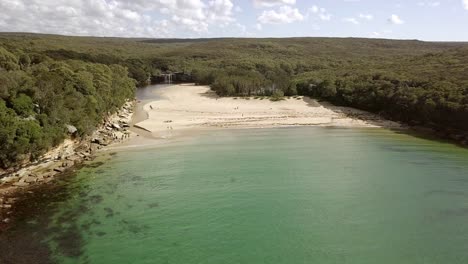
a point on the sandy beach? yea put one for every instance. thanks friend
(189, 107)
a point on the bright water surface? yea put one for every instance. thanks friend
(295, 195)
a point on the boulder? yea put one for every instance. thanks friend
(48, 180)
(71, 129)
(29, 179)
(116, 126)
(97, 140)
(60, 169)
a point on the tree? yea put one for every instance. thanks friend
(23, 105)
(8, 61)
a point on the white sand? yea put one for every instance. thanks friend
(189, 107)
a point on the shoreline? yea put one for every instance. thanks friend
(62, 160)
(184, 109)
(189, 107)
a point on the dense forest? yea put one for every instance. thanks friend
(40, 97)
(50, 81)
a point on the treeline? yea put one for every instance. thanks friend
(430, 90)
(442, 105)
(40, 97)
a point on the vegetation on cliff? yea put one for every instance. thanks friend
(40, 97)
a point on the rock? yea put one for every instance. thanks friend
(6, 220)
(84, 154)
(116, 126)
(6, 206)
(48, 180)
(8, 179)
(68, 163)
(11, 200)
(29, 179)
(51, 173)
(71, 129)
(21, 184)
(119, 135)
(74, 158)
(59, 169)
(21, 173)
(97, 140)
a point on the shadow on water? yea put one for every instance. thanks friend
(42, 232)
(28, 240)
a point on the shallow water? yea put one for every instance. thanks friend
(295, 195)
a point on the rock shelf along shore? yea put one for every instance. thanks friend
(63, 158)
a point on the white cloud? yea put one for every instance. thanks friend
(366, 16)
(429, 4)
(220, 11)
(318, 12)
(156, 18)
(396, 20)
(465, 4)
(351, 20)
(283, 15)
(357, 20)
(270, 3)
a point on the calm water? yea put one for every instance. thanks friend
(296, 195)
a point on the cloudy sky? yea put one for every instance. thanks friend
(403, 19)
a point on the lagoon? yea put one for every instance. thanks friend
(283, 195)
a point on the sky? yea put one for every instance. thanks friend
(431, 20)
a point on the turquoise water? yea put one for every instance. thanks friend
(295, 195)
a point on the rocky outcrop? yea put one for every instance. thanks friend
(66, 156)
